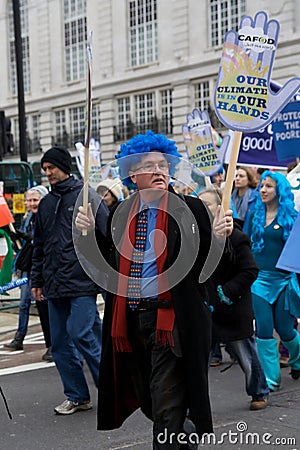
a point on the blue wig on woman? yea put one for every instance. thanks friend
(286, 213)
(136, 148)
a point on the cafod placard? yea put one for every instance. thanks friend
(201, 149)
(243, 98)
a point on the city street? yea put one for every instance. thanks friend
(32, 389)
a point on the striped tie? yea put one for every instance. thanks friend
(135, 274)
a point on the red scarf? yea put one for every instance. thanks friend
(165, 316)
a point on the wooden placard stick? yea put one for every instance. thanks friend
(88, 130)
(231, 169)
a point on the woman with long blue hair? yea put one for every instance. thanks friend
(275, 293)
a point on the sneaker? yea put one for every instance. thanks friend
(48, 356)
(257, 405)
(69, 407)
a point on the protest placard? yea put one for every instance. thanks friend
(286, 128)
(200, 144)
(243, 99)
(19, 204)
(94, 162)
(289, 258)
(258, 150)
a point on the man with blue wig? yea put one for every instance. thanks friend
(156, 332)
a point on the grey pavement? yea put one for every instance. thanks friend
(9, 321)
(32, 389)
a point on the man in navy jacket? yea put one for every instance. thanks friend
(57, 275)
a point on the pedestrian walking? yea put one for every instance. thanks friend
(156, 330)
(111, 191)
(57, 275)
(232, 317)
(275, 293)
(244, 194)
(23, 263)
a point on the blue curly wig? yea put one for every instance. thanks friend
(134, 150)
(220, 170)
(286, 213)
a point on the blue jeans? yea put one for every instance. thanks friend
(246, 353)
(74, 323)
(24, 309)
(216, 352)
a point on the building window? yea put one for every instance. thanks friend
(166, 112)
(36, 133)
(16, 133)
(25, 47)
(95, 125)
(202, 95)
(67, 132)
(77, 124)
(142, 112)
(224, 15)
(60, 122)
(145, 112)
(75, 33)
(124, 130)
(61, 137)
(142, 31)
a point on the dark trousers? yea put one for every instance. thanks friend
(158, 378)
(42, 307)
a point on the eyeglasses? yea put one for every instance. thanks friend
(152, 167)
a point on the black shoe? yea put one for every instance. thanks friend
(215, 362)
(295, 374)
(48, 355)
(284, 362)
(16, 343)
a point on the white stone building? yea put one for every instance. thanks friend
(153, 62)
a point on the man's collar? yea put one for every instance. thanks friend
(150, 205)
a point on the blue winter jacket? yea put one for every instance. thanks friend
(251, 206)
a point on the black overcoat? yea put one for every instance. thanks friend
(234, 322)
(116, 393)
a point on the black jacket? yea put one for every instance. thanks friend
(117, 398)
(55, 264)
(234, 322)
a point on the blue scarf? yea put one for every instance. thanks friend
(241, 203)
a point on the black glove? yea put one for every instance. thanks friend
(17, 235)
